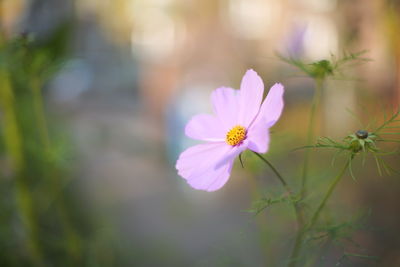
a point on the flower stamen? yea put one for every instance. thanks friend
(236, 135)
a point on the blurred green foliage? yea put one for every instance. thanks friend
(333, 67)
(42, 222)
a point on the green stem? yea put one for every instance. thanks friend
(296, 247)
(54, 178)
(296, 206)
(304, 175)
(28, 218)
(310, 136)
(278, 175)
(13, 142)
(332, 186)
(39, 113)
(314, 218)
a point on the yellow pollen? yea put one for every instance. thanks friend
(236, 135)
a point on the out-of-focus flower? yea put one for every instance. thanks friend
(241, 122)
(295, 42)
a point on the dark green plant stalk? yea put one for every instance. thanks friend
(296, 207)
(328, 194)
(13, 143)
(278, 175)
(39, 113)
(304, 176)
(310, 135)
(315, 217)
(318, 71)
(73, 241)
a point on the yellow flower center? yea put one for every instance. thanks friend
(236, 135)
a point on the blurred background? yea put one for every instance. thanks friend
(94, 97)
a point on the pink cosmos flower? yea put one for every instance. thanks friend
(240, 122)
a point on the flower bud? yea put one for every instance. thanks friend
(361, 134)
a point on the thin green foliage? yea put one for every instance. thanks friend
(341, 230)
(266, 201)
(341, 234)
(319, 71)
(334, 66)
(347, 256)
(353, 144)
(364, 143)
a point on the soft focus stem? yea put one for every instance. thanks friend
(54, 179)
(314, 218)
(296, 207)
(310, 135)
(332, 186)
(304, 175)
(13, 142)
(39, 113)
(278, 175)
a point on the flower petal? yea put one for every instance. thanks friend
(198, 159)
(205, 127)
(251, 93)
(197, 165)
(258, 137)
(226, 106)
(212, 179)
(232, 153)
(271, 109)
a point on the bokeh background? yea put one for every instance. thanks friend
(94, 98)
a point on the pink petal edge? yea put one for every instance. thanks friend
(271, 108)
(212, 179)
(197, 165)
(251, 93)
